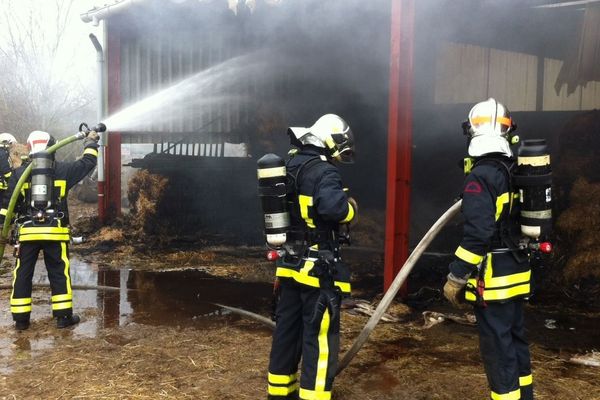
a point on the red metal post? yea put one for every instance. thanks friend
(113, 147)
(399, 139)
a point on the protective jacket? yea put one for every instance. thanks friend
(320, 205)
(308, 311)
(66, 175)
(51, 237)
(488, 253)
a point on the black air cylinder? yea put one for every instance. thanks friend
(272, 193)
(42, 180)
(533, 179)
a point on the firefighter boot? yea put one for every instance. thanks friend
(22, 325)
(67, 320)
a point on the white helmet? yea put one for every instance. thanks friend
(330, 132)
(6, 140)
(39, 141)
(489, 128)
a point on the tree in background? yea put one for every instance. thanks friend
(46, 83)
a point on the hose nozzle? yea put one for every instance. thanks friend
(100, 127)
(85, 129)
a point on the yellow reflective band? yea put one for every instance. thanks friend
(313, 281)
(45, 236)
(8, 174)
(62, 297)
(350, 215)
(323, 363)
(43, 229)
(62, 306)
(20, 302)
(305, 202)
(536, 161)
(500, 294)
(500, 202)
(344, 286)
(3, 211)
(12, 293)
(20, 309)
(508, 280)
(54, 233)
(282, 390)
(270, 172)
(91, 151)
(526, 380)
(62, 184)
(514, 395)
(281, 379)
(467, 256)
(63, 256)
(306, 394)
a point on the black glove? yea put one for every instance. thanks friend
(329, 298)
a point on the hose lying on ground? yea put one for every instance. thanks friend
(254, 316)
(396, 284)
(74, 287)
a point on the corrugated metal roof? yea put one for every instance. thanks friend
(103, 9)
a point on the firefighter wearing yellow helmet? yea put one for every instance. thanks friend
(43, 224)
(490, 270)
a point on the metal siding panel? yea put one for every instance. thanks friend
(461, 73)
(513, 79)
(560, 102)
(590, 97)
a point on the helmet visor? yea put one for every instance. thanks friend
(345, 146)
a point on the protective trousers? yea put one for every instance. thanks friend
(56, 258)
(297, 336)
(504, 350)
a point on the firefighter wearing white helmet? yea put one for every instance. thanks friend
(43, 224)
(312, 275)
(6, 142)
(490, 271)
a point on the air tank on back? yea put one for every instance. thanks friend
(533, 179)
(272, 192)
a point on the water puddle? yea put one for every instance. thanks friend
(172, 298)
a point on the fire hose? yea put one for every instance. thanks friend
(83, 132)
(387, 298)
(397, 284)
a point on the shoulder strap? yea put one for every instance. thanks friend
(305, 166)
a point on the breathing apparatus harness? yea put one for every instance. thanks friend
(531, 177)
(278, 190)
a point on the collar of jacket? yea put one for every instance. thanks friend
(313, 150)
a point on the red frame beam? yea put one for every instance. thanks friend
(399, 139)
(113, 147)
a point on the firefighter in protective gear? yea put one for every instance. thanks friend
(6, 142)
(47, 230)
(312, 275)
(490, 271)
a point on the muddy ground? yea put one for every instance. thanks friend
(159, 336)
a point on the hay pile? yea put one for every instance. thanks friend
(145, 193)
(577, 199)
(369, 230)
(580, 227)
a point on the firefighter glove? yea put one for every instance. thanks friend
(454, 289)
(91, 137)
(329, 298)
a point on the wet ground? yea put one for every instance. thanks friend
(160, 336)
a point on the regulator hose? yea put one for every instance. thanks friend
(17, 191)
(396, 284)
